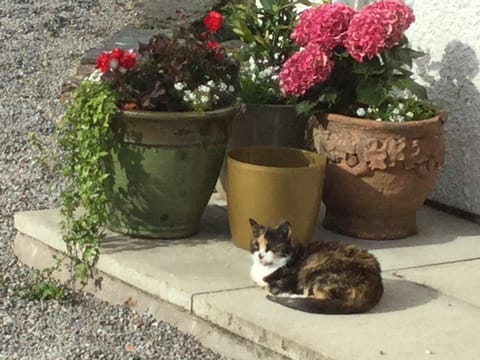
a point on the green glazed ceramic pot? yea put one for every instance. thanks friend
(163, 168)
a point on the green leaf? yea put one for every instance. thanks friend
(371, 92)
(267, 4)
(305, 107)
(372, 67)
(408, 83)
(415, 54)
(402, 56)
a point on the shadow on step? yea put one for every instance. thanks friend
(401, 294)
(213, 229)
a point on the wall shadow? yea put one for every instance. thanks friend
(450, 82)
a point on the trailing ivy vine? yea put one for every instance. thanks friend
(84, 135)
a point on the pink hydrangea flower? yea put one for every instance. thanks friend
(305, 69)
(377, 27)
(326, 25)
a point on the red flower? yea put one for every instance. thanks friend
(103, 62)
(379, 26)
(213, 21)
(305, 69)
(325, 25)
(118, 59)
(213, 45)
(128, 60)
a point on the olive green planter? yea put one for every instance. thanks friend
(265, 125)
(271, 185)
(163, 168)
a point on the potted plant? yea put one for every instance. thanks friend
(144, 139)
(267, 117)
(383, 139)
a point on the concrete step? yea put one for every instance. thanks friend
(430, 306)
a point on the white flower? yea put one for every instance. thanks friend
(222, 86)
(396, 111)
(231, 89)
(211, 83)
(265, 73)
(204, 99)
(95, 76)
(378, 119)
(409, 114)
(252, 64)
(113, 64)
(361, 112)
(204, 88)
(369, 110)
(401, 106)
(179, 86)
(216, 97)
(275, 77)
(400, 118)
(276, 56)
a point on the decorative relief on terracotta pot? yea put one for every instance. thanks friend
(360, 155)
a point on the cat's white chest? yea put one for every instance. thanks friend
(259, 271)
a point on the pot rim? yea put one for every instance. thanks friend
(350, 120)
(175, 115)
(318, 163)
(279, 106)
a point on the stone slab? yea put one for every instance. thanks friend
(208, 276)
(127, 38)
(441, 238)
(36, 254)
(459, 280)
(173, 270)
(411, 322)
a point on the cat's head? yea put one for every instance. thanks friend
(271, 246)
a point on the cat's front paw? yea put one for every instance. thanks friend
(274, 290)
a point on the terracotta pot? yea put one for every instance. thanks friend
(378, 173)
(163, 168)
(273, 184)
(264, 125)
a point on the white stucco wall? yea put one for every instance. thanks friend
(449, 32)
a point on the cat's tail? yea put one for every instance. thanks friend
(311, 304)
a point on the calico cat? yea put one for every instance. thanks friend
(320, 277)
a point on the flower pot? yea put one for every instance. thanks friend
(378, 173)
(163, 168)
(265, 125)
(270, 185)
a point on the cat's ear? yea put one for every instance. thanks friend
(257, 229)
(285, 230)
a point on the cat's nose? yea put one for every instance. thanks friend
(260, 256)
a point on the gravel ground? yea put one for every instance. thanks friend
(42, 42)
